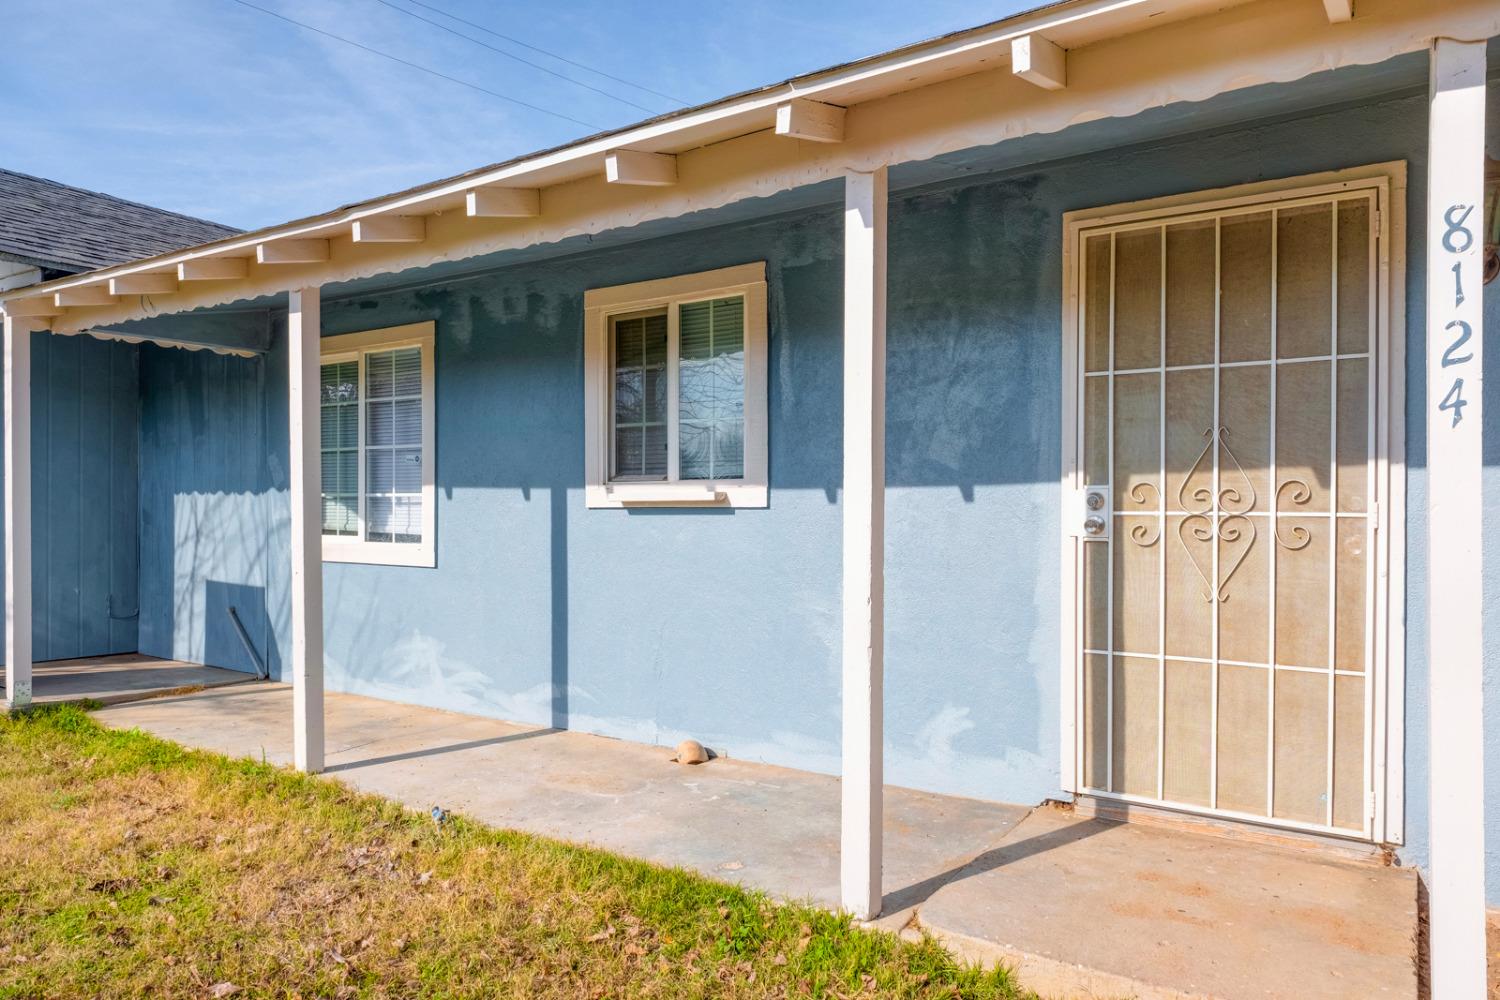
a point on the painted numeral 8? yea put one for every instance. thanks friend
(1456, 227)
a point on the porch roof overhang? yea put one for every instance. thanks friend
(1041, 72)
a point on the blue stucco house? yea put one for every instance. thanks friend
(1084, 406)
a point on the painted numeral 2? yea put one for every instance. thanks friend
(1464, 333)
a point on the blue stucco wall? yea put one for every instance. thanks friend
(1491, 535)
(84, 400)
(206, 507)
(724, 625)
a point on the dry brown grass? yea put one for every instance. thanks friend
(132, 867)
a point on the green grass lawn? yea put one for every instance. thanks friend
(130, 866)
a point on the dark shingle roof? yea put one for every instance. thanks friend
(62, 228)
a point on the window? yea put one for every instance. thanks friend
(377, 403)
(676, 391)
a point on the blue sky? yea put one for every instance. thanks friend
(210, 108)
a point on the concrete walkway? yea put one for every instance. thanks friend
(122, 677)
(1080, 907)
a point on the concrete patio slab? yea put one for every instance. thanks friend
(1185, 911)
(1081, 907)
(122, 677)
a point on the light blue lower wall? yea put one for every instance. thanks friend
(84, 401)
(724, 625)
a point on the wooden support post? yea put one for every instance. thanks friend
(865, 196)
(1455, 490)
(303, 331)
(18, 511)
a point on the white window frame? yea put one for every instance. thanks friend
(600, 305)
(356, 346)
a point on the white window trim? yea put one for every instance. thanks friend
(599, 304)
(356, 345)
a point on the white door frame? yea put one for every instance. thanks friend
(1388, 181)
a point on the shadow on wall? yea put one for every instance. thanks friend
(223, 646)
(206, 509)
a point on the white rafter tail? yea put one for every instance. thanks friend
(632, 166)
(1036, 60)
(36, 307)
(810, 120)
(390, 229)
(143, 284)
(503, 203)
(87, 295)
(1339, 10)
(310, 251)
(213, 269)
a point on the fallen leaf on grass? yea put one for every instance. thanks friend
(219, 990)
(113, 885)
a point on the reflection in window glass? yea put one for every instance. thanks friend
(711, 389)
(339, 394)
(640, 397)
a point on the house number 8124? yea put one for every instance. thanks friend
(1457, 239)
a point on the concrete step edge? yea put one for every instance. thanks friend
(1051, 977)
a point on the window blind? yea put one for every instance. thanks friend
(393, 445)
(640, 397)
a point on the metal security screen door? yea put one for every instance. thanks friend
(1228, 477)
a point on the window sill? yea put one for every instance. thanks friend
(708, 494)
(379, 554)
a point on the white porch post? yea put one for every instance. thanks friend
(1455, 363)
(18, 511)
(865, 197)
(304, 327)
